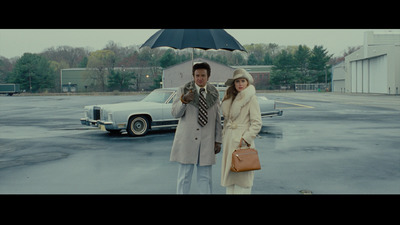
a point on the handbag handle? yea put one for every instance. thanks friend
(240, 143)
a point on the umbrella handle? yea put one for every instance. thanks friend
(192, 59)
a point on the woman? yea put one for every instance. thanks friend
(242, 120)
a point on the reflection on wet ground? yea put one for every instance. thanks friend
(323, 143)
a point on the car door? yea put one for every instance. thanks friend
(167, 107)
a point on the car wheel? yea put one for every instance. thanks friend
(138, 126)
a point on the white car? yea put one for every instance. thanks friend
(154, 111)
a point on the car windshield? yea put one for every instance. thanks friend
(157, 96)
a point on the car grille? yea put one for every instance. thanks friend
(96, 113)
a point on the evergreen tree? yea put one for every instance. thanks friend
(120, 80)
(168, 59)
(318, 64)
(301, 58)
(283, 70)
(252, 60)
(268, 59)
(33, 73)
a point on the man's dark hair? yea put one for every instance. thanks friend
(202, 65)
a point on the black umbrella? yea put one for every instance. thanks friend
(194, 38)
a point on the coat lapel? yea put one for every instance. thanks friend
(212, 95)
(232, 109)
(211, 98)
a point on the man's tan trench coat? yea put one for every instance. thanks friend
(192, 143)
(242, 119)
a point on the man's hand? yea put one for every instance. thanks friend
(217, 147)
(188, 97)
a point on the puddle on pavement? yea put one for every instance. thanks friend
(270, 132)
(32, 159)
(324, 149)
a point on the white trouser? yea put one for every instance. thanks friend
(236, 189)
(185, 172)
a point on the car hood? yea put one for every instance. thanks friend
(129, 106)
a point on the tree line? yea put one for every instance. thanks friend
(304, 65)
(41, 72)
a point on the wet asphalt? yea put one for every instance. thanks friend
(325, 143)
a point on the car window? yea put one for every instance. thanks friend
(171, 100)
(221, 95)
(157, 96)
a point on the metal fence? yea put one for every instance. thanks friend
(280, 88)
(320, 87)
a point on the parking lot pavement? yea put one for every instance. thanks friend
(324, 143)
(343, 144)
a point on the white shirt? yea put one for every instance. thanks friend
(198, 90)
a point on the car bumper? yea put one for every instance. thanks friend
(106, 125)
(103, 125)
(272, 113)
(89, 122)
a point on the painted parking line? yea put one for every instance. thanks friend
(295, 104)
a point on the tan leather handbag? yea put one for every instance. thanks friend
(245, 159)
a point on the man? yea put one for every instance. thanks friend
(198, 134)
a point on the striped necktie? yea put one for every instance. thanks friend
(202, 119)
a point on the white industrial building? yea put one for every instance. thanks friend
(339, 77)
(374, 68)
(179, 74)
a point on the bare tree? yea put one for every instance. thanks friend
(101, 61)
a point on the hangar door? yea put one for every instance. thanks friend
(369, 75)
(339, 86)
(378, 74)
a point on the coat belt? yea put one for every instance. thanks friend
(232, 125)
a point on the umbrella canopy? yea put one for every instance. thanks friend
(194, 38)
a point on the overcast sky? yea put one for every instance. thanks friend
(15, 42)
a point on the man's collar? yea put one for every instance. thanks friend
(198, 88)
